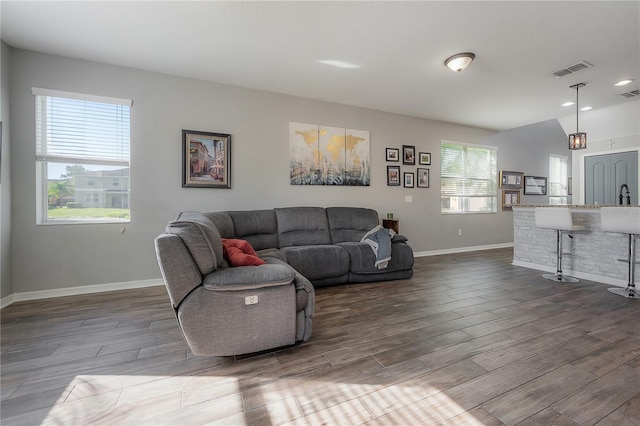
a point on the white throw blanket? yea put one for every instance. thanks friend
(380, 241)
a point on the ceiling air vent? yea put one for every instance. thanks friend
(571, 69)
(631, 94)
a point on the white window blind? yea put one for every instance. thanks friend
(468, 178)
(82, 148)
(558, 179)
(69, 128)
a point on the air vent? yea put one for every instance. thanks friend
(631, 94)
(572, 69)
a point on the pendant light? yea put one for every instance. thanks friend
(577, 140)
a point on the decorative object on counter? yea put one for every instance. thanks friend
(323, 155)
(510, 180)
(509, 199)
(409, 155)
(390, 216)
(625, 221)
(577, 140)
(535, 185)
(206, 159)
(393, 154)
(423, 178)
(408, 180)
(424, 158)
(393, 175)
(560, 220)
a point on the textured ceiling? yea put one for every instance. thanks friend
(399, 48)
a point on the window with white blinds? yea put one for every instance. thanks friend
(469, 178)
(558, 179)
(82, 157)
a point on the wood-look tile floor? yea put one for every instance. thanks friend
(469, 340)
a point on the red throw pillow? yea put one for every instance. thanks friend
(240, 253)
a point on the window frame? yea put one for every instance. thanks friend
(563, 198)
(493, 184)
(42, 160)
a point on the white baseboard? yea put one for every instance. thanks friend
(585, 276)
(73, 291)
(461, 249)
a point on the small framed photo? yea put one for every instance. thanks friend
(408, 179)
(423, 178)
(510, 180)
(393, 154)
(393, 175)
(206, 159)
(535, 185)
(424, 158)
(409, 155)
(510, 199)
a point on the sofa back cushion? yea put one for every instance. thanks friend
(202, 239)
(223, 222)
(349, 224)
(302, 226)
(258, 227)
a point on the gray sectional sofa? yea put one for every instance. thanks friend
(303, 247)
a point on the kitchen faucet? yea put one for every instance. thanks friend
(624, 186)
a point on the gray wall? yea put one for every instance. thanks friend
(6, 287)
(533, 144)
(52, 257)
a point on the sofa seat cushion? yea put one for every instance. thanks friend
(319, 261)
(362, 258)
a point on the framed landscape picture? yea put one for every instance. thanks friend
(206, 159)
(424, 158)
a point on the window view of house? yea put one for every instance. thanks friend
(82, 158)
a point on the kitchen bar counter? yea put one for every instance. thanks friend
(595, 253)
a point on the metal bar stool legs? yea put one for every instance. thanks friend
(558, 276)
(630, 291)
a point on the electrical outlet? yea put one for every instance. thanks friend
(408, 199)
(459, 232)
(251, 300)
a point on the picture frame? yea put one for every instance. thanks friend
(424, 158)
(535, 185)
(392, 154)
(393, 175)
(409, 155)
(510, 180)
(409, 179)
(509, 199)
(423, 178)
(206, 159)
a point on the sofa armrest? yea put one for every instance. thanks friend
(398, 238)
(248, 277)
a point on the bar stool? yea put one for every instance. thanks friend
(623, 220)
(559, 219)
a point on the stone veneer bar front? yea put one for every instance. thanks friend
(594, 254)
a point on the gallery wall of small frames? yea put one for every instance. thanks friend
(409, 174)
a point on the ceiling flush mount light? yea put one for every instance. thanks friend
(568, 103)
(623, 82)
(459, 61)
(577, 140)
